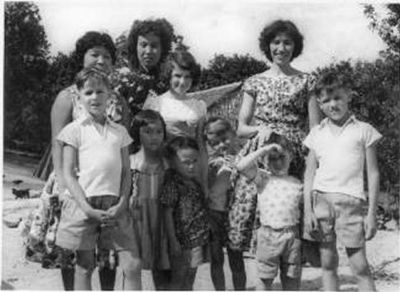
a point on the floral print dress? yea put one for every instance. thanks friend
(281, 103)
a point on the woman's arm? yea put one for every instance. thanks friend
(373, 190)
(246, 113)
(314, 112)
(61, 115)
(71, 181)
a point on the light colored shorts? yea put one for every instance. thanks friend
(278, 249)
(78, 232)
(339, 216)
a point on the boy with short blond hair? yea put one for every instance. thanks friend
(333, 187)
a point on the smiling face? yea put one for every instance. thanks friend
(149, 50)
(152, 136)
(281, 48)
(98, 57)
(220, 140)
(181, 80)
(186, 162)
(93, 96)
(335, 104)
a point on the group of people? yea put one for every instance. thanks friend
(148, 180)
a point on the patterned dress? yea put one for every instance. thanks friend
(146, 188)
(281, 104)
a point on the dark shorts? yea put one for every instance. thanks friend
(339, 216)
(278, 249)
(78, 232)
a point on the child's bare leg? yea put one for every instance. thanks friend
(217, 265)
(290, 284)
(360, 268)
(264, 284)
(236, 263)
(132, 270)
(85, 263)
(329, 264)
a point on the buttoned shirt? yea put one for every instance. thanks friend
(99, 154)
(341, 155)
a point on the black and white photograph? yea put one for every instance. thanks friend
(200, 145)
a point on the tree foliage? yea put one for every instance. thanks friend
(223, 70)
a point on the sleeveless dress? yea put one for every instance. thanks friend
(281, 103)
(146, 187)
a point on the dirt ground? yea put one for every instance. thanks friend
(18, 274)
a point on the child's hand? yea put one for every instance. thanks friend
(370, 227)
(96, 214)
(310, 223)
(270, 147)
(115, 211)
(263, 135)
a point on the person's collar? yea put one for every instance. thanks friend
(352, 119)
(87, 118)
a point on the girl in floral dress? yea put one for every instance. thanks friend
(277, 100)
(148, 167)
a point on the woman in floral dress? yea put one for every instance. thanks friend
(278, 100)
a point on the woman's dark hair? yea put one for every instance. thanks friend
(160, 27)
(184, 60)
(180, 142)
(93, 39)
(280, 26)
(91, 73)
(143, 119)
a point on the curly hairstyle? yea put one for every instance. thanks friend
(93, 39)
(330, 81)
(184, 60)
(142, 119)
(180, 142)
(280, 26)
(160, 27)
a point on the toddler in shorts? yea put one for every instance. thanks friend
(279, 198)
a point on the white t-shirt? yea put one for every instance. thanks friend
(279, 200)
(181, 116)
(99, 154)
(341, 156)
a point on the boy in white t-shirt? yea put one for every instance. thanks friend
(279, 198)
(333, 186)
(95, 212)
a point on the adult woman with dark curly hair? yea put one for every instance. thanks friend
(148, 44)
(93, 49)
(278, 100)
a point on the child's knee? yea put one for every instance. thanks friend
(130, 264)
(329, 263)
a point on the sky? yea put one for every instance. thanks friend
(332, 30)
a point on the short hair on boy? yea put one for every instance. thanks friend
(330, 81)
(91, 73)
(180, 142)
(224, 125)
(143, 119)
(184, 60)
